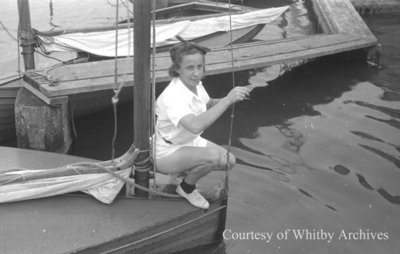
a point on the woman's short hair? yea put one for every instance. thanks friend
(179, 50)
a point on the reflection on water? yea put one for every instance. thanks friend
(328, 131)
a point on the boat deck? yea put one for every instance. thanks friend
(78, 222)
(342, 27)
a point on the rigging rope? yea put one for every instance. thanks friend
(19, 51)
(226, 187)
(114, 100)
(118, 86)
(51, 15)
(17, 41)
(153, 92)
(8, 32)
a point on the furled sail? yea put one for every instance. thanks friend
(101, 179)
(103, 186)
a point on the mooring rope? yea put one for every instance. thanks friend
(50, 57)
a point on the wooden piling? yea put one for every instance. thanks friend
(41, 126)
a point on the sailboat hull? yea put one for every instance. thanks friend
(197, 226)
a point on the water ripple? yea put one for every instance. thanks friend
(382, 154)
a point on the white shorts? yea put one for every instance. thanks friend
(164, 149)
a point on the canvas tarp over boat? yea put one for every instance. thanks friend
(103, 43)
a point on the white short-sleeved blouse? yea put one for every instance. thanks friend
(175, 102)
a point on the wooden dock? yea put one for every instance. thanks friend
(342, 30)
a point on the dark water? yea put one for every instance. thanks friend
(319, 151)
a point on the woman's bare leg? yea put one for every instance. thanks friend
(195, 162)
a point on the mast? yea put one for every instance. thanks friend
(141, 91)
(26, 36)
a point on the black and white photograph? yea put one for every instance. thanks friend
(200, 126)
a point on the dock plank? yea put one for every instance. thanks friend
(93, 77)
(346, 19)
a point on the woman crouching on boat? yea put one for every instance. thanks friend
(184, 110)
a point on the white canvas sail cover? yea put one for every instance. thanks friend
(103, 186)
(103, 43)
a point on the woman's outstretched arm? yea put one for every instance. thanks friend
(197, 124)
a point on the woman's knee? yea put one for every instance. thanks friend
(218, 159)
(213, 157)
